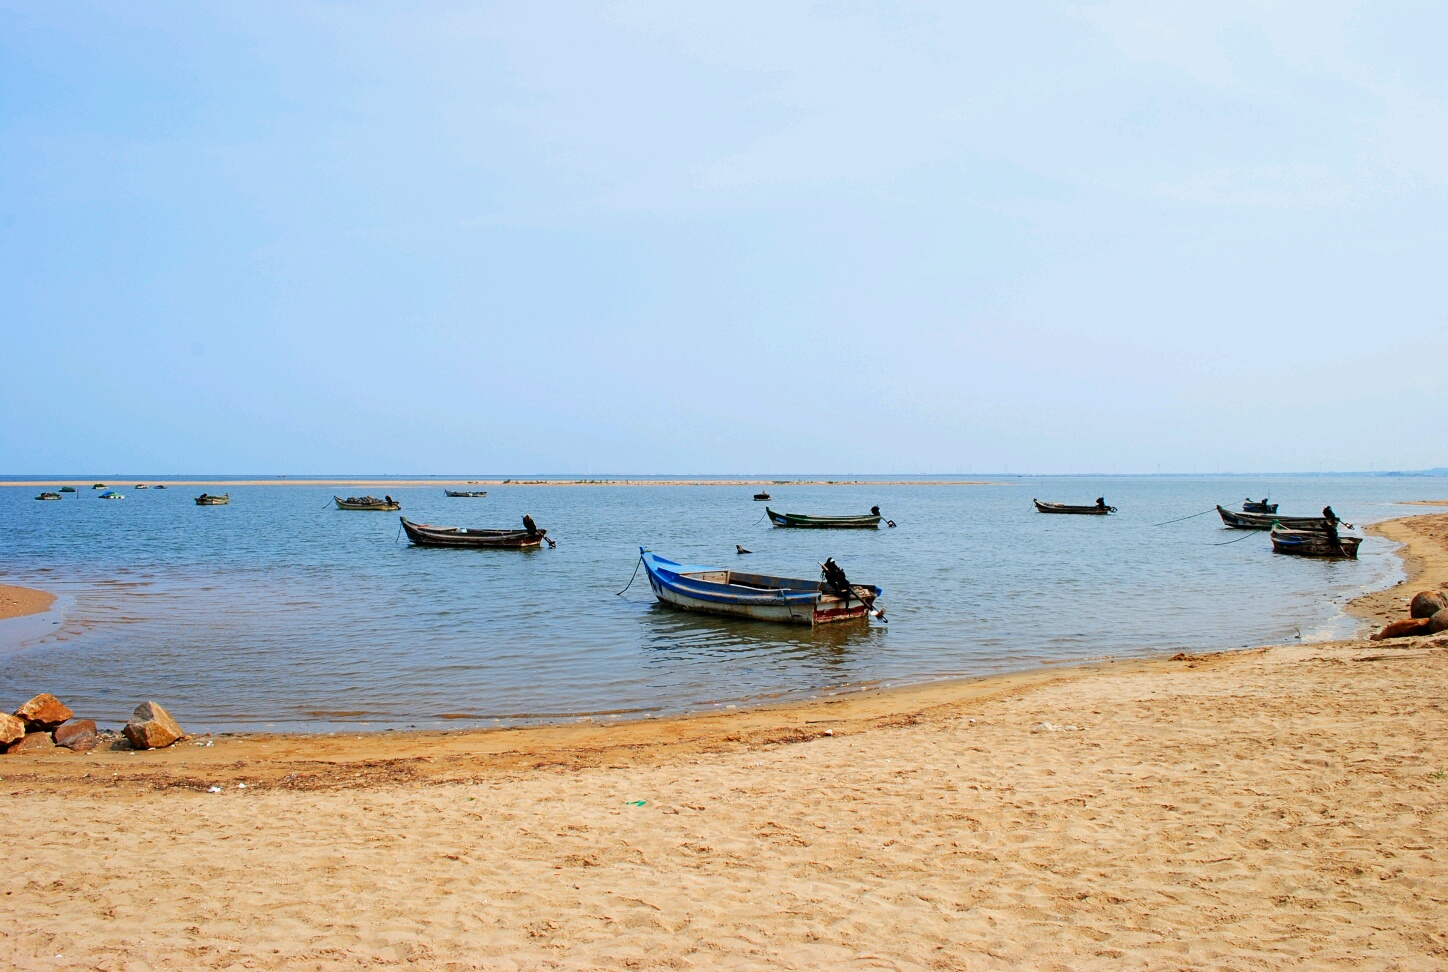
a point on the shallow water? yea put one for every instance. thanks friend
(275, 612)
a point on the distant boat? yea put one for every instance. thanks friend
(67, 489)
(466, 494)
(712, 590)
(427, 535)
(1258, 506)
(98, 486)
(367, 503)
(1265, 521)
(1099, 509)
(142, 486)
(111, 494)
(206, 499)
(1312, 543)
(761, 496)
(48, 496)
(160, 485)
(870, 521)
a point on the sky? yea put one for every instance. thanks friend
(445, 238)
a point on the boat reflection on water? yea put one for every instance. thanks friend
(784, 647)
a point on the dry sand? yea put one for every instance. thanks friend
(1281, 807)
(17, 602)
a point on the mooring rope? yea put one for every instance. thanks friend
(1192, 517)
(1247, 536)
(635, 574)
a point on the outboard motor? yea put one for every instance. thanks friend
(835, 580)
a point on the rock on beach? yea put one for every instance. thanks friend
(1438, 622)
(1404, 628)
(78, 735)
(12, 729)
(35, 742)
(1427, 603)
(151, 727)
(45, 712)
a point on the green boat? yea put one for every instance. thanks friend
(870, 521)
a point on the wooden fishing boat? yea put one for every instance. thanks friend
(870, 521)
(111, 494)
(466, 494)
(1312, 543)
(1097, 510)
(761, 496)
(48, 496)
(67, 489)
(206, 499)
(387, 505)
(1264, 521)
(1250, 505)
(427, 535)
(712, 590)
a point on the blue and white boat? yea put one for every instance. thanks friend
(713, 590)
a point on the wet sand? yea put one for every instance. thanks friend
(1279, 807)
(16, 602)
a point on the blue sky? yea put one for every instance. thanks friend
(688, 238)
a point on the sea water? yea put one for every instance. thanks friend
(281, 612)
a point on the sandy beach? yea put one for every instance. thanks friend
(1271, 808)
(16, 602)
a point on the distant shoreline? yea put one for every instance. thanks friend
(129, 483)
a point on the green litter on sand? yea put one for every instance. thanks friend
(634, 803)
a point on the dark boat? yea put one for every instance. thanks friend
(427, 535)
(1311, 543)
(1100, 509)
(712, 590)
(1250, 505)
(142, 486)
(160, 485)
(386, 505)
(67, 489)
(48, 496)
(98, 486)
(206, 499)
(466, 494)
(870, 521)
(761, 496)
(1264, 521)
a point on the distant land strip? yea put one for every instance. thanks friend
(130, 483)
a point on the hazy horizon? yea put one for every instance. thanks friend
(122, 477)
(1072, 238)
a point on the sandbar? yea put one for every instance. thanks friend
(1276, 807)
(398, 483)
(16, 602)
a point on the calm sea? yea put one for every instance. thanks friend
(280, 612)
